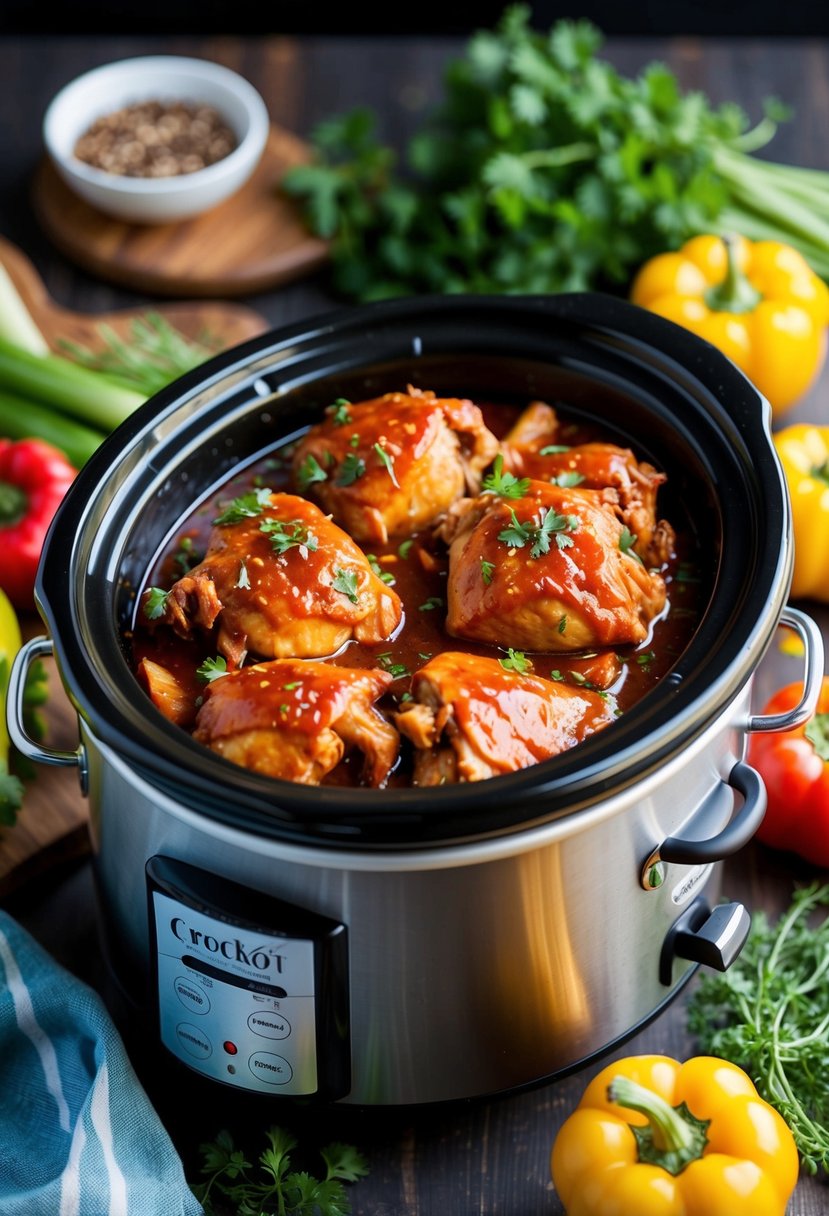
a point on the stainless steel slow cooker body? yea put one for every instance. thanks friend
(421, 945)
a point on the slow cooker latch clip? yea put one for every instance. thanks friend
(713, 939)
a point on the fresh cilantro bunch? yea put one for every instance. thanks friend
(769, 1015)
(543, 170)
(275, 1189)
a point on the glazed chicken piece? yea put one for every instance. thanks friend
(281, 580)
(392, 466)
(295, 720)
(531, 449)
(470, 719)
(549, 571)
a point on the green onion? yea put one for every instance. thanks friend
(23, 419)
(16, 322)
(88, 396)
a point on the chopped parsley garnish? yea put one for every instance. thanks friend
(354, 441)
(405, 549)
(352, 467)
(487, 571)
(644, 660)
(562, 625)
(385, 576)
(246, 506)
(339, 412)
(539, 535)
(396, 670)
(554, 449)
(284, 536)
(243, 579)
(345, 582)
(212, 669)
(626, 542)
(504, 484)
(388, 461)
(429, 605)
(310, 471)
(290, 687)
(155, 603)
(569, 479)
(557, 675)
(516, 661)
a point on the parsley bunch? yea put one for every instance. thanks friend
(276, 1189)
(769, 1015)
(546, 170)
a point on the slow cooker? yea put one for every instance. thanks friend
(420, 945)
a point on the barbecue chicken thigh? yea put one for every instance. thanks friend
(391, 466)
(470, 719)
(295, 719)
(282, 581)
(531, 449)
(551, 570)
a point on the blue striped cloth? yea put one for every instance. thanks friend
(78, 1136)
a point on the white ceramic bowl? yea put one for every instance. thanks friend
(159, 78)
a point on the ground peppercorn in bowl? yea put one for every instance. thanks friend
(156, 139)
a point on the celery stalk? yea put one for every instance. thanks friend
(24, 419)
(91, 397)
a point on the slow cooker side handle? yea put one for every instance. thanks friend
(40, 647)
(737, 832)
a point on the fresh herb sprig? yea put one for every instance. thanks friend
(505, 485)
(545, 169)
(540, 534)
(246, 506)
(769, 1014)
(276, 1189)
(153, 355)
(293, 534)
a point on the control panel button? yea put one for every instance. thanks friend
(270, 1068)
(194, 1042)
(192, 996)
(269, 1025)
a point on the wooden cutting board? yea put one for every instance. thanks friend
(251, 242)
(52, 826)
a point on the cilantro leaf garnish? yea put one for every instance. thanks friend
(487, 571)
(549, 526)
(568, 479)
(212, 669)
(431, 604)
(293, 535)
(554, 449)
(385, 576)
(310, 471)
(627, 540)
(516, 661)
(155, 603)
(352, 467)
(246, 506)
(504, 484)
(345, 581)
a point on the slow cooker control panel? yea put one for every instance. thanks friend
(250, 991)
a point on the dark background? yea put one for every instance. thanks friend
(614, 17)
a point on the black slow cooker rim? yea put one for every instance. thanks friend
(668, 719)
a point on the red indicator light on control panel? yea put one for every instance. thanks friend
(230, 1048)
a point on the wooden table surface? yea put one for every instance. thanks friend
(480, 1157)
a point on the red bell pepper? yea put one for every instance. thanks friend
(34, 477)
(794, 765)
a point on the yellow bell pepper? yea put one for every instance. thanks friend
(759, 303)
(653, 1137)
(11, 790)
(804, 453)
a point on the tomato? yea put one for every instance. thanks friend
(794, 765)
